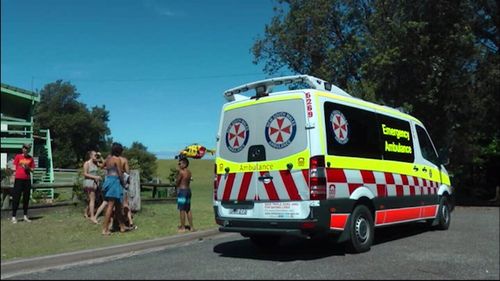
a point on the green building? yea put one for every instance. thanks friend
(17, 128)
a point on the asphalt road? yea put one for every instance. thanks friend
(468, 250)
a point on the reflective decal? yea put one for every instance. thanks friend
(280, 130)
(340, 127)
(237, 135)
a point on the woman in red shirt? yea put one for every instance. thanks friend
(24, 165)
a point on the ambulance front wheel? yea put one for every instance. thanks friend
(444, 214)
(361, 230)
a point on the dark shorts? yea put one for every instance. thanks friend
(184, 199)
(22, 185)
(88, 190)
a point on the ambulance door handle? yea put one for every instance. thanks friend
(415, 168)
(310, 126)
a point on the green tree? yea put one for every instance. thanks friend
(485, 97)
(436, 59)
(421, 56)
(321, 38)
(141, 159)
(74, 129)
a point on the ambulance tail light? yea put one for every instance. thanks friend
(317, 179)
(216, 182)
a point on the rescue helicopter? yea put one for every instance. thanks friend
(195, 151)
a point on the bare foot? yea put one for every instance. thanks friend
(94, 220)
(181, 230)
(193, 229)
(106, 233)
(128, 228)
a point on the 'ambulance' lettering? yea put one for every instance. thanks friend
(256, 167)
(398, 148)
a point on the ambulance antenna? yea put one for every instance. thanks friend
(264, 87)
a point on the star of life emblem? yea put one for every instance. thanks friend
(280, 130)
(237, 134)
(340, 127)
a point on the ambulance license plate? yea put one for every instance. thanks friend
(238, 211)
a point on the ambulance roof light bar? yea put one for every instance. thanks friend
(263, 87)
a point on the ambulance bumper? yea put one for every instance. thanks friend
(300, 228)
(268, 231)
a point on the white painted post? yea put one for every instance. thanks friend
(134, 191)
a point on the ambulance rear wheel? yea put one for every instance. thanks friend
(265, 241)
(444, 214)
(361, 229)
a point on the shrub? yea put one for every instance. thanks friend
(5, 174)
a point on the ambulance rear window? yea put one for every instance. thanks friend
(263, 131)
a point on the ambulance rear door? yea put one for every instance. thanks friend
(264, 158)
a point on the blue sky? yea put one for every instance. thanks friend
(159, 66)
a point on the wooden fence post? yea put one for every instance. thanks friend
(6, 201)
(134, 191)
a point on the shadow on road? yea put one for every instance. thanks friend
(293, 249)
(288, 249)
(401, 231)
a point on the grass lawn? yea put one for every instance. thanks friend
(65, 230)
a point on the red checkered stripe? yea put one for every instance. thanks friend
(246, 186)
(390, 216)
(381, 184)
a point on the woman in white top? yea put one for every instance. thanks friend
(91, 182)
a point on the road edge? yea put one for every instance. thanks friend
(43, 263)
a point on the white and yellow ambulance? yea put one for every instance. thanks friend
(315, 161)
